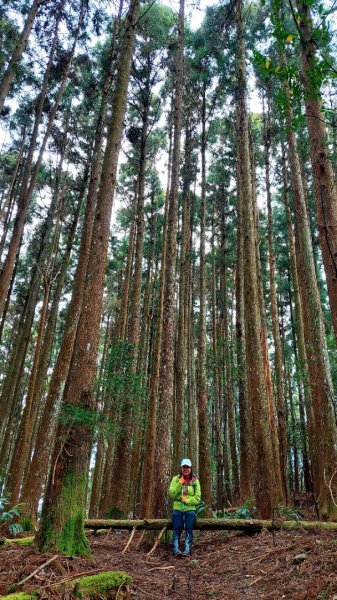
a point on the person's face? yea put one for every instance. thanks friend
(186, 470)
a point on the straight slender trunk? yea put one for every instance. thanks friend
(62, 524)
(129, 415)
(37, 469)
(26, 430)
(102, 398)
(281, 492)
(17, 52)
(14, 372)
(47, 428)
(300, 354)
(143, 365)
(216, 379)
(193, 425)
(246, 435)
(151, 431)
(317, 354)
(265, 478)
(27, 189)
(278, 354)
(124, 309)
(204, 457)
(166, 384)
(7, 208)
(181, 354)
(324, 184)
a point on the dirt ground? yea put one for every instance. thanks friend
(296, 565)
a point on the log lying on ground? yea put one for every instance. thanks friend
(250, 525)
(26, 541)
(110, 584)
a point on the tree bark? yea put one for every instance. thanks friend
(278, 354)
(322, 392)
(17, 53)
(166, 384)
(249, 525)
(204, 457)
(324, 184)
(27, 189)
(26, 430)
(63, 510)
(265, 479)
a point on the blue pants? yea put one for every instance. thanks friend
(183, 520)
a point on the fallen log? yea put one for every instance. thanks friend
(249, 525)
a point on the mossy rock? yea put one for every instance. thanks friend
(20, 596)
(26, 541)
(104, 585)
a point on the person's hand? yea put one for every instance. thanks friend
(181, 480)
(183, 499)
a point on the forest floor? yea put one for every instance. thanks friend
(297, 565)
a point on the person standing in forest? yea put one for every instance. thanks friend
(186, 494)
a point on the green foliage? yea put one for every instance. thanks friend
(289, 513)
(201, 507)
(114, 513)
(7, 515)
(78, 414)
(246, 511)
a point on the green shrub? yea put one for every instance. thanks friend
(246, 511)
(7, 515)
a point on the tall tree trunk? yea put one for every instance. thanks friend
(17, 53)
(181, 355)
(324, 184)
(278, 354)
(12, 381)
(27, 189)
(103, 399)
(46, 432)
(7, 208)
(124, 310)
(166, 386)
(22, 445)
(264, 338)
(319, 368)
(204, 457)
(317, 354)
(38, 466)
(151, 431)
(216, 381)
(193, 425)
(265, 479)
(143, 363)
(246, 434)
(62, 524)
(122, 464)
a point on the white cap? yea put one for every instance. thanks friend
(186, 462)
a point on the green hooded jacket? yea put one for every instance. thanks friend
(193, 495)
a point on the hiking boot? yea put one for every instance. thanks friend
(177, 554)
(186, 554)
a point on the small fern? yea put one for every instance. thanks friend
(8, 515)
(289, 513)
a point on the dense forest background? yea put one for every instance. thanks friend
(203, 321)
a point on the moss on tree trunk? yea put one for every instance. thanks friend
(63, 523)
